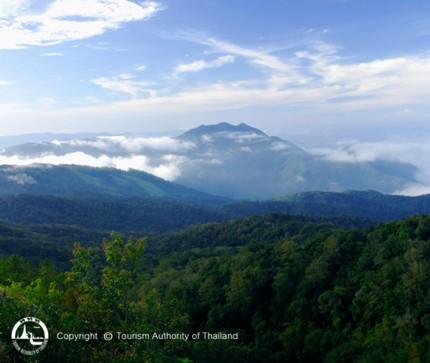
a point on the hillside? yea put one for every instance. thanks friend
(149, 215)
(81, 181)
(48, 242)
(245, 231)
(160, 215)
(370, 205)
(326, 295)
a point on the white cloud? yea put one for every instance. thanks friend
(124, 83)
(97, 143)
(315, 79)
(5, 83)
(167, 168)
(414, 190)
(12, 7)
(241, 137)
(141, 68)
(279, 146)
(356, 152)
(257, 56)
(22, 179)
(130, 144)
(67, 20)
(202, 64)
(161, 156)
(137, 144)
(52, 54)
(414, 153)
(207, 138)
(320, 80)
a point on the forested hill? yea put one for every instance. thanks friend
(52, 243)
(81, 181)
(145, 216)
(370, 205)
(294, 291)
(326, 295)
(250, 230)
(159, 215)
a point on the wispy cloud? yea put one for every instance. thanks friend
(200, 65)
(128, 144)
(124, 83)
(5, 83)
(52, 54)
(141, 68)
(256, 56)
(67, 20)
(312, 78)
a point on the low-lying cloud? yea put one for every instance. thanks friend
(167, 167)
(416, 153)
(161, 156)
(130, 144)
(173, 158)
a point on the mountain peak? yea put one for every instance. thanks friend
(223, 127)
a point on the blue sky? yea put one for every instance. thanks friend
(332, 68)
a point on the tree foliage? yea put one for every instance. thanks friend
(294, 291)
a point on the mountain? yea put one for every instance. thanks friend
(243, 162)
(234, 161)
(82, 181)
(221, 127)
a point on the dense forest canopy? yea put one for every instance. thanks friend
(302, 291)
(38, 226)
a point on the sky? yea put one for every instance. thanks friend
(316, 72)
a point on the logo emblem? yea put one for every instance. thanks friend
(30, 336)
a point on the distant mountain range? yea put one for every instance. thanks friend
(369, 205)
(234, 161)
(128, 215)
(38, 226)
(158, 215)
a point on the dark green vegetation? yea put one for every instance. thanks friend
(155, 215)
(295, 289)
(370, 205)
(56, 222)
(81, 181)
(51, 242)
(151, 215)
